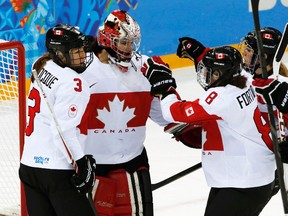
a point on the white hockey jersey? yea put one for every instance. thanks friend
(117, 112)
(236, 142)
(68, 95)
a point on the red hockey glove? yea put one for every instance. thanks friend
(189, 135)
(273, 92)
(85, 178)
(191, 48)
(159, 76)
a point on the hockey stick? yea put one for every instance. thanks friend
(35, 75)
(280, 51)
(279, 165)
(176, 176)
(276, 66)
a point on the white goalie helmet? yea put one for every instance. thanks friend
(120, 36)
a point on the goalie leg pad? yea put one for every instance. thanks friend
(125, 194)
(146, 191)
(104, 192)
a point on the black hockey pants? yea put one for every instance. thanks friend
(237, 201)
(50, 193)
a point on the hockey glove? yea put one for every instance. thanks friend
(85, 177)
(189, 135)
(159, 76)
(273, 92)
(283, 150)
(191, 48)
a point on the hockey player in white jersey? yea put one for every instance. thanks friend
(195, 50)
(271, 91)
(248, 47)
(237, 151)
(51, 185)
(117, 113)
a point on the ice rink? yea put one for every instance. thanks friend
(187, 195)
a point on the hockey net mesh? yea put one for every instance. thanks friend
(9, 132)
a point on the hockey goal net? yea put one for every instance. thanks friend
(12, 125)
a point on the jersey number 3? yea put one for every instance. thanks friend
(35, 96)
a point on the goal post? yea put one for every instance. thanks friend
(12, 126)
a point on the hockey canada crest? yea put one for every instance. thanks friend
(72, 112)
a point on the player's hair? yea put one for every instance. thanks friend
(239, 81)
(93, 45)
(40, 63)
(283, 70)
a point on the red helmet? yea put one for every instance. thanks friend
(120, 36)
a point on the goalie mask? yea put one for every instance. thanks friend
(248, 47)
(219, 66)
(66, 45)
(120, 36)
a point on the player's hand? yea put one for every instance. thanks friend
(159, 76)
(191, 48)
(85, 178)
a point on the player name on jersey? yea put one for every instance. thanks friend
(247, 97)
(47, 78)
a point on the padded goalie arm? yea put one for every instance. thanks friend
(190, 135)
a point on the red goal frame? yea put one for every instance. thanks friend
(22, 105)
